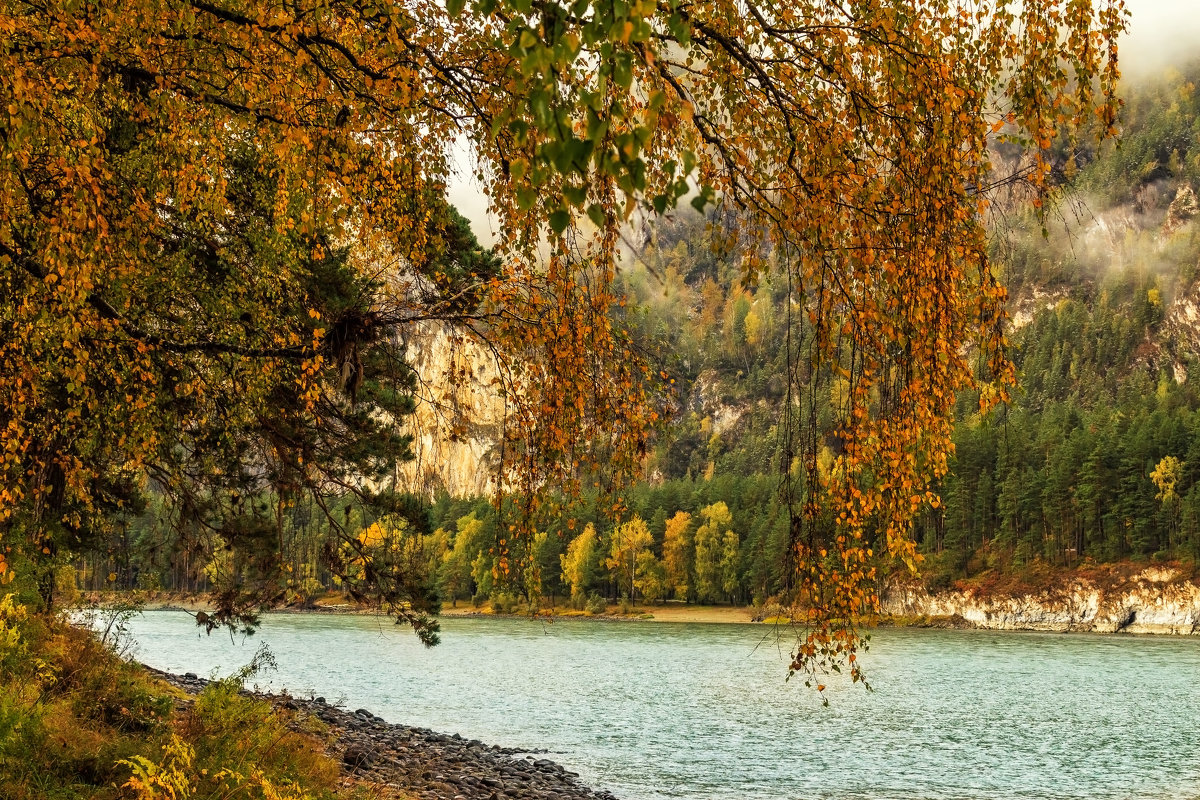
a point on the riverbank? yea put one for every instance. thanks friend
(1110, 598)
(407, 763)
(670, 612)
(336, 604)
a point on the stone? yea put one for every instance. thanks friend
(357, 756)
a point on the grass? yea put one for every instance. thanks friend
(77, 721)
(1040, 578)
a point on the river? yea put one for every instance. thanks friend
(661, 710)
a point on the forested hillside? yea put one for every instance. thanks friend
(1096, 457)
(1098, 453)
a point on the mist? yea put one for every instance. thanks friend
(1161, 33)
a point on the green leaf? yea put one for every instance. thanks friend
(679, 28)
(597, 126)
(575, 195)
(526, 197)
(519, 129)
(637, 174)
(559, 220)
(596, 214)
(539, 103)
(576, 154)
(622, 69)
(553, 25)
(455, 7)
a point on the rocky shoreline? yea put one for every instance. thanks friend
(420, 762)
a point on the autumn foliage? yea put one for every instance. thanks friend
(186, 185)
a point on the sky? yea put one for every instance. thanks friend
(1161, 32)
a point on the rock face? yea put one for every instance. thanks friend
(424, 764)
(456, 425)
(1154, 601)
(1182, 209)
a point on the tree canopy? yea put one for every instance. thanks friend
(219, 218)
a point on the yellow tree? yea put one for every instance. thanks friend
(716, 553)
(628, 541)
(155, 302)
(1166, 476)
(580, 563)
(678, 553)
(455, 571)
(651, 577)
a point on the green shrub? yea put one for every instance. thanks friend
(504, 602)
(595, 604)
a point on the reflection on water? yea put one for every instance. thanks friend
(661, 710)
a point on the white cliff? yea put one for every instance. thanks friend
(1152, 601)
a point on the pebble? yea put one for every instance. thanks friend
(432, 766)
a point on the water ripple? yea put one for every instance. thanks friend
(654, 711)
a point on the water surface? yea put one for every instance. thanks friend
(663, 710)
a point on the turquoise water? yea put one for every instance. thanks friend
(661, 710)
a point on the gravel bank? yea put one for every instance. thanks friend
(425, 764)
